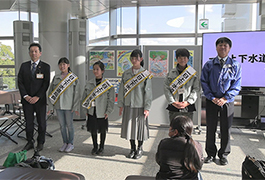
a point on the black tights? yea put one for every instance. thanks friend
(102, 139)
(133, 145)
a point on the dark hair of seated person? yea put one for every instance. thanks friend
(184, 126)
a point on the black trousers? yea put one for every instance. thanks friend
(40, 110)
(226, 118)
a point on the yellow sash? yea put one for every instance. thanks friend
(135, 81)
(182, 79)
(62, 86)
(96, 92)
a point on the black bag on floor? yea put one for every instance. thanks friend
(253, 169)
(37, 161)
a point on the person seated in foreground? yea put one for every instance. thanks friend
(179, 157)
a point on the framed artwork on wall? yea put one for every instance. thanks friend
(158, 62)
(106, 57)
(123, 61)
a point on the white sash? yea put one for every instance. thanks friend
(62, 86)
(97, 91)
(182, 79)
(135, 81)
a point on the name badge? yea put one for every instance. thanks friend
(181, 90)
(93, 104)
(39, 76)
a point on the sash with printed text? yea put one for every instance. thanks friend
(97, 91)
(62, 86)
(182, 79)
(135, 81)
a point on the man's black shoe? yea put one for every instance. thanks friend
(223, 161)
(28, 146)
(139, 153)
(209, 159)
(39, 147)
(131, 154)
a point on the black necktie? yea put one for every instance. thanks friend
(222, 62)
(180, 97)
(33, 69)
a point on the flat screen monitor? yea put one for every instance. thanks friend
(248, 48)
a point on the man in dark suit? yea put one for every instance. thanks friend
(33, 82)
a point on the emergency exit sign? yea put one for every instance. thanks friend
(204, 24)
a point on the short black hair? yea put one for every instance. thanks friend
(224, 40)
(35, 44)
(100, 64)
(182, 52)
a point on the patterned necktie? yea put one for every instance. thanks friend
(33, 69)
(222, 62)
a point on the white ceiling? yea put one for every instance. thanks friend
(91, 8)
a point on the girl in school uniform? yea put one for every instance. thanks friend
(181, 101)
(98, 101)
(64, 97)
(134, 101)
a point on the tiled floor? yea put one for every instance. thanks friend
(114, 165)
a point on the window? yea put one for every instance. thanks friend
(7, 59)
(7, 79)
(167, 41)
(173, 20)
(213, 14)
(199, 41)
(126, 41)
(6, 25)
(101, 43)
(99, 26)
(7, 65)
(229, 17)
(126, 20)
(167, 19)
(35, 20)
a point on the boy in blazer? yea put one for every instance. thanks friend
(33, 82)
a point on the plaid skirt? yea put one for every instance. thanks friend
(134, 125)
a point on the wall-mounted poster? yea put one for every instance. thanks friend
(190, 62)
(106, 57)
(116, 83)
(158, 63)
(123, 59)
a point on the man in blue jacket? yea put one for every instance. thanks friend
(221, 82)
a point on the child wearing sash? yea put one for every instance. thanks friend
(134, 101)
(181, 96)
(64, 97)
(98, 101)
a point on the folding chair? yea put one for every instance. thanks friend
(7, 118)
(7, 123)
(13, 97)
(22, 124)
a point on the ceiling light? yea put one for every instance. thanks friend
(134, 2)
